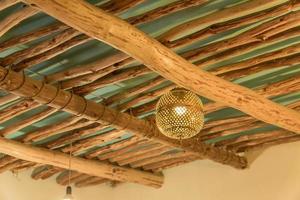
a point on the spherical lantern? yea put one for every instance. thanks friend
(179, 114)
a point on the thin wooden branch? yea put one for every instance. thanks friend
(16, 109)
(134, 91)
(225, 129)
(255, 34)
(117, 7)
(259, 137)
(88, 68)
(235, 23)
(60, 99)
(142, 155)
(123, 150)
(33, 35)
(8, 98)
(239, 50)
(140, 148)
(112, 147)
(90, 181)
(51, 53)
(49, 130)
(106, 76)
(270, 143)
(22, 124)
(220, 16)
(91, 83)
(40, 48)
(44, 172)
(14, 19)
(7, 3)
(162, 11)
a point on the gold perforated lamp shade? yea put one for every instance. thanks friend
(179, 114)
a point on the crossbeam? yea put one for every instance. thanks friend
(21, 85)
(116, 32)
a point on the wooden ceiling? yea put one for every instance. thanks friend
(61, 85)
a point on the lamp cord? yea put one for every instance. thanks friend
(70, 157)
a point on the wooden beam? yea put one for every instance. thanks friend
(43, 93)
(93, 168)
(121, 35)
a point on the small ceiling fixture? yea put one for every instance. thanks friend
(179, 114)
(68, 195)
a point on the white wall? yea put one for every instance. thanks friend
(275, 175)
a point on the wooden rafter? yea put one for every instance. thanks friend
(107, 28)
(24, 86)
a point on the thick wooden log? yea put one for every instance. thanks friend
(43, 93)
(108, 28)
(94, 168)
